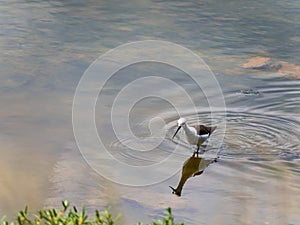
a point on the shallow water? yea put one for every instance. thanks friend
(47, 45)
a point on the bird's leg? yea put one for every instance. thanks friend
(197, 152)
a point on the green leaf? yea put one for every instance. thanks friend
(65, 204)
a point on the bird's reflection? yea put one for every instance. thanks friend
(193, 166)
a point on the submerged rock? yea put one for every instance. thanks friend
(289, 69)
(261, 63)
(266, 64)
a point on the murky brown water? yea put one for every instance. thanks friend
(47, 45)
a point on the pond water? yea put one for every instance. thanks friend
(46, 46)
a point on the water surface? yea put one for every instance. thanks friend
(47, 45)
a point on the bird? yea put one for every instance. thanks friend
(192, 167)
(195, 135)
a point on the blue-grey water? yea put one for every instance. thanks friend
(46, 46)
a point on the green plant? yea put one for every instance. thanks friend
(168, 220)
(71, 216)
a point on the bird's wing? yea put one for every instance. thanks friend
(204, 130)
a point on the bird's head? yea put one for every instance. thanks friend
(181, 122)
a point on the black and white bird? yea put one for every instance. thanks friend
(195, 135)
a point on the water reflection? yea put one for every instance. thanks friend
(193, 166)
(47, 45)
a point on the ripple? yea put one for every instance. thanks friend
(139, 157)
(254, 135)
(255, 127)
(261, 134)
(281, 96)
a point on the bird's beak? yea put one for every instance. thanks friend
(176, 131)
(173, 190)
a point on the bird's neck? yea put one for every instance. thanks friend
(179, 187)
(188, 129)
